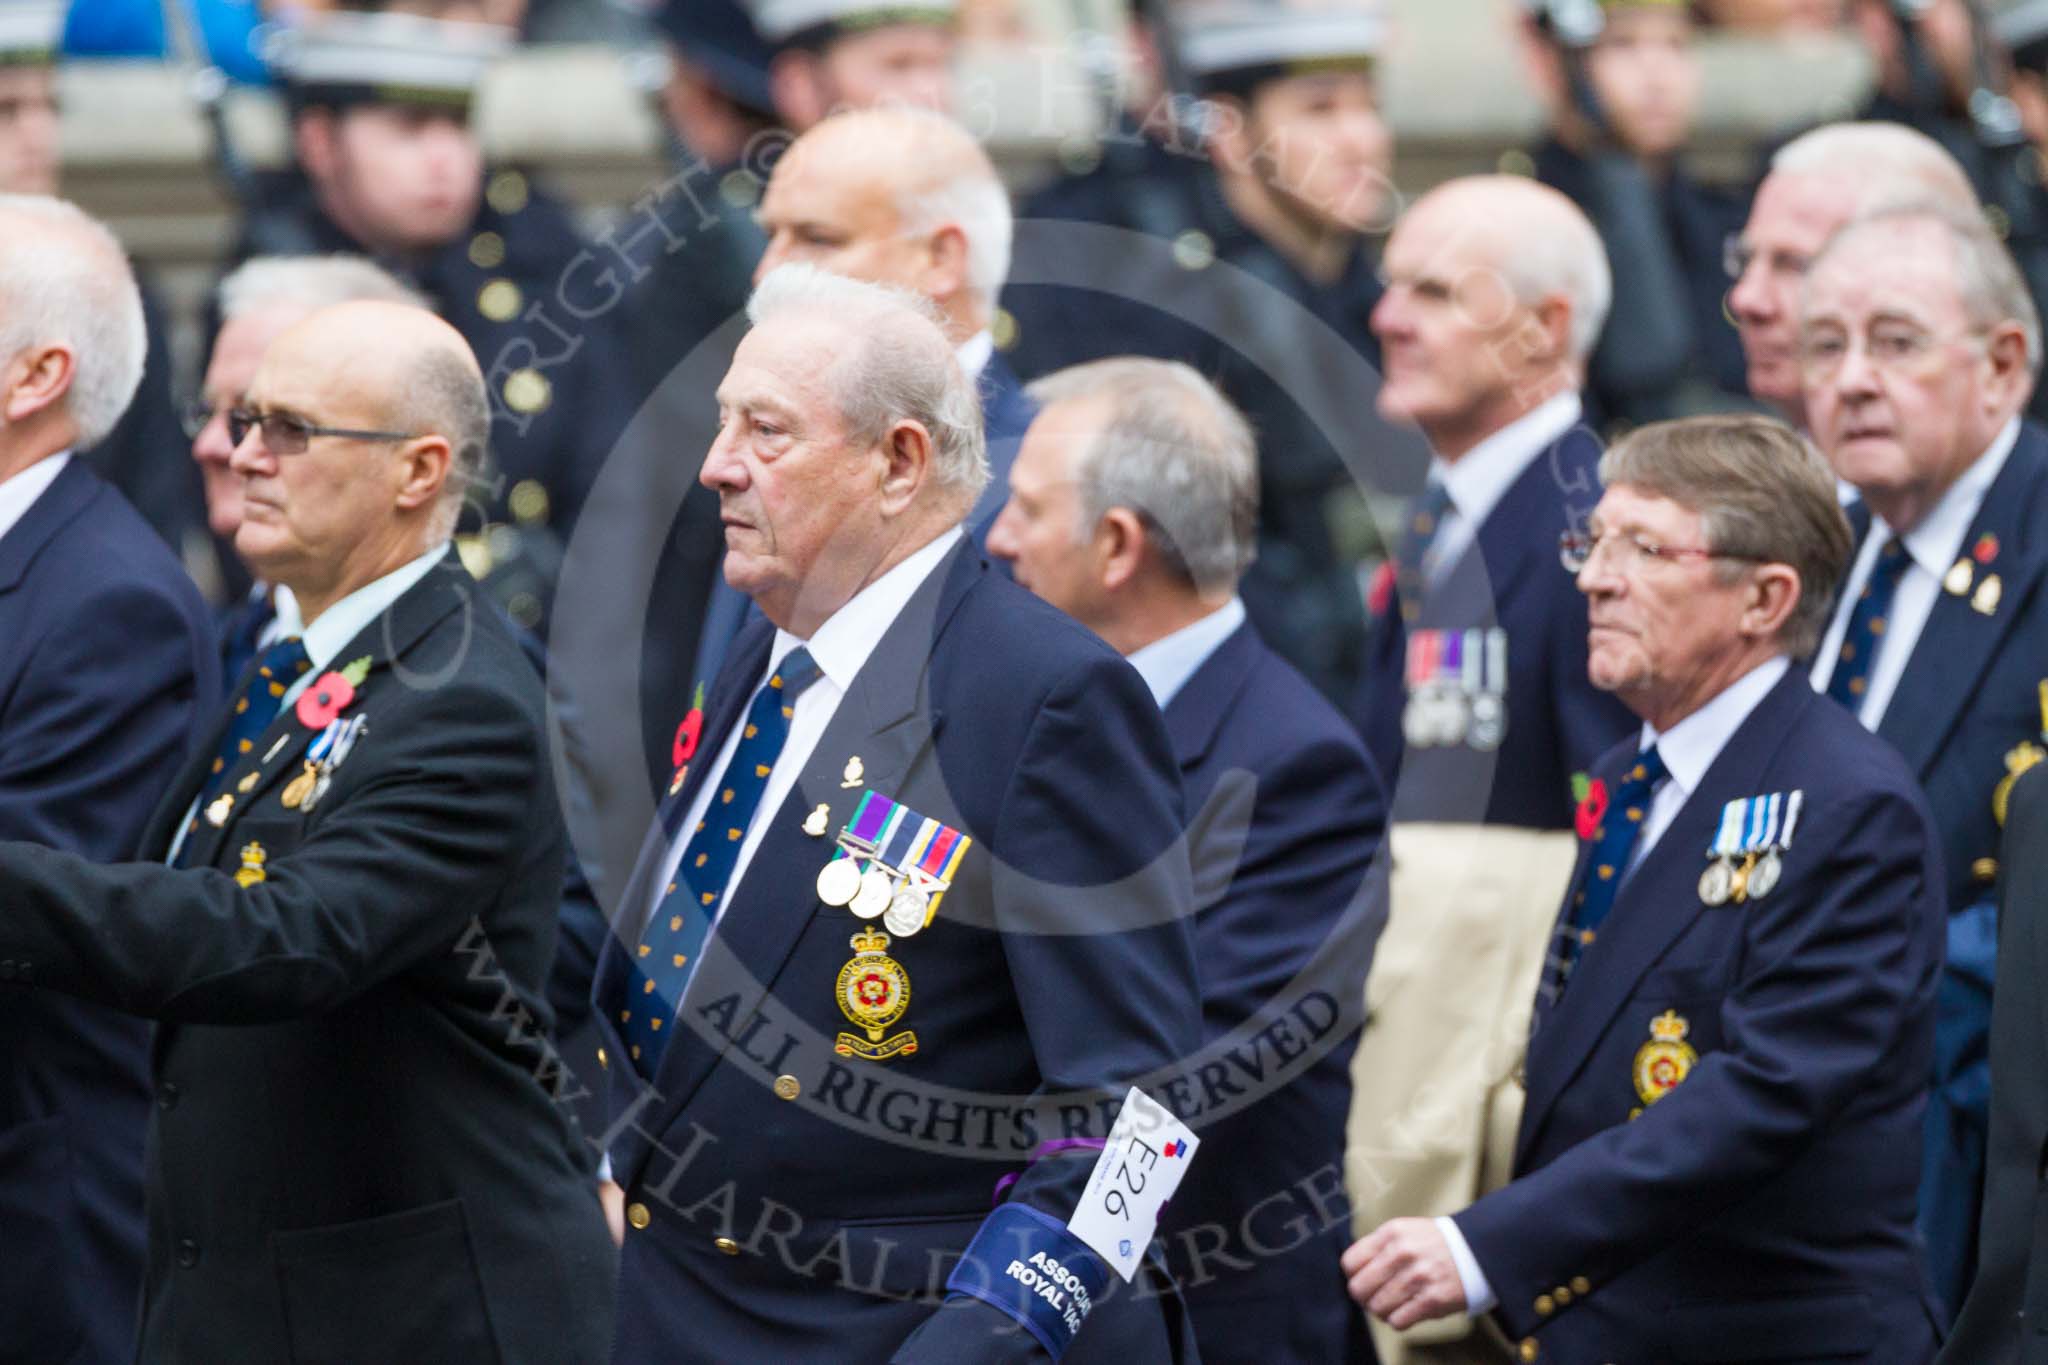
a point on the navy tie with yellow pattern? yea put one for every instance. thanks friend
(1860, 643)
(277, 669)
(1614, 840)
(669, 945)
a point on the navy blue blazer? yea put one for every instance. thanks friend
(106, 671)
(1763, 1208)
(1286, 818)
(1006, 414)
(1557, 722)
(793, 1204)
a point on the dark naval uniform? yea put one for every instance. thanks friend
(1302, 591)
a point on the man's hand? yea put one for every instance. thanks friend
(613, 1197)
(1402, 1273)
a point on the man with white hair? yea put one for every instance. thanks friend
(910, 769)
(106, 665)
(1816, 183)
(343, 913)
(1476, 704)
(1133, 507)
(1919, 346)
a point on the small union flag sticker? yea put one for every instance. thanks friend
(1174, 1149)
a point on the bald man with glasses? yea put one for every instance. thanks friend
(1919, 345)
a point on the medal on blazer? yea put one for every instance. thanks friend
(218, 809)
(1747, 856)
(910, 859)
(1666, 1059)
(874, 990)
(251, 871)
(328, 754)
(1457, 688)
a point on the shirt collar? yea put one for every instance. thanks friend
(1168, 662)
(1477, 479)
(975, 352)
(19, 492)
(327, 636)
(842, 644)
(1690, 747)
(1938, 539)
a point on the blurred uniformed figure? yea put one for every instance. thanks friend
(1919, 345)
(1815, 184)
(388, 166)
(1476, 704)
(139, 456)
(856, 54)
(1267, 250)
(1623, 93)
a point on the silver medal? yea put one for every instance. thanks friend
(1717, 883)
(1489, 721)
(873, 897)
(1765, 874)
(838, 881)
(906, 912)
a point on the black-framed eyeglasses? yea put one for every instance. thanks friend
(1575, 550)
(284, 434)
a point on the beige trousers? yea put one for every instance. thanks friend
(1436, 1082)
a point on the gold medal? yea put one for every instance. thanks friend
(838, 881)
(874, 894)
(218, 809)
(299, 788)
(1666, 1059)
(906, 912)
(1738, 889)
(874, 991)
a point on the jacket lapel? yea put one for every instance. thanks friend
(1195, 714)
(1656, 904)
(886, 720)
(1958, 642)
(52, 510)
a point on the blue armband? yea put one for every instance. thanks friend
(1024, 1264)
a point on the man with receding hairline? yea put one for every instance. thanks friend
(344, 915)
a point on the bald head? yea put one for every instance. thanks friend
(406, 414)
(902, 197)
(1497, 288)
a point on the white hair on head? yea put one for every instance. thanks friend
(1567, 259)
(73, 285)
(980, 206)
(1882, 163)
(308, 284)
(899, 365)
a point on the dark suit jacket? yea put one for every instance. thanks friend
(791, 1204)
(2005, 1319)
(1006, 414)
(356, 1153)
(1557, 723)
(1286, 817)
(1762, 1209)
(106, 664)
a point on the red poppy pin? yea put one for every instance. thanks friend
(1592, 808)
(1379, 597)
(1986, 549)
(331, 693)
(691, 730)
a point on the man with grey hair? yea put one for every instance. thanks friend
(906, 743)
(258, 300)
(105, 648)
(352, 885)
(1729, 1050)
(1919, 346)
(1133, 507)
(1816, 183)
(1475, 706)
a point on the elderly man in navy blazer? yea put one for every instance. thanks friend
(1718, 1156)
(1133, 507)
(1920, 346)
(107, 659)
(912, 926)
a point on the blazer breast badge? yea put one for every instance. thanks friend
(1665, 1060)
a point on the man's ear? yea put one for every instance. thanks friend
(906, 465)
(315, 134)
(38, 379)
(796, 88)
(1773, 596)
(946, 262)
(1122, 543)
(425, 466)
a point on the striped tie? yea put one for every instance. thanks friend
(668, 948)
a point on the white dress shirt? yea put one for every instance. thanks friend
(975, 352)
(840, 646)
(1168, 662)
(19, 493)
(1933, 546)
(1478, 479)
(327, 636)
(1688, 749)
